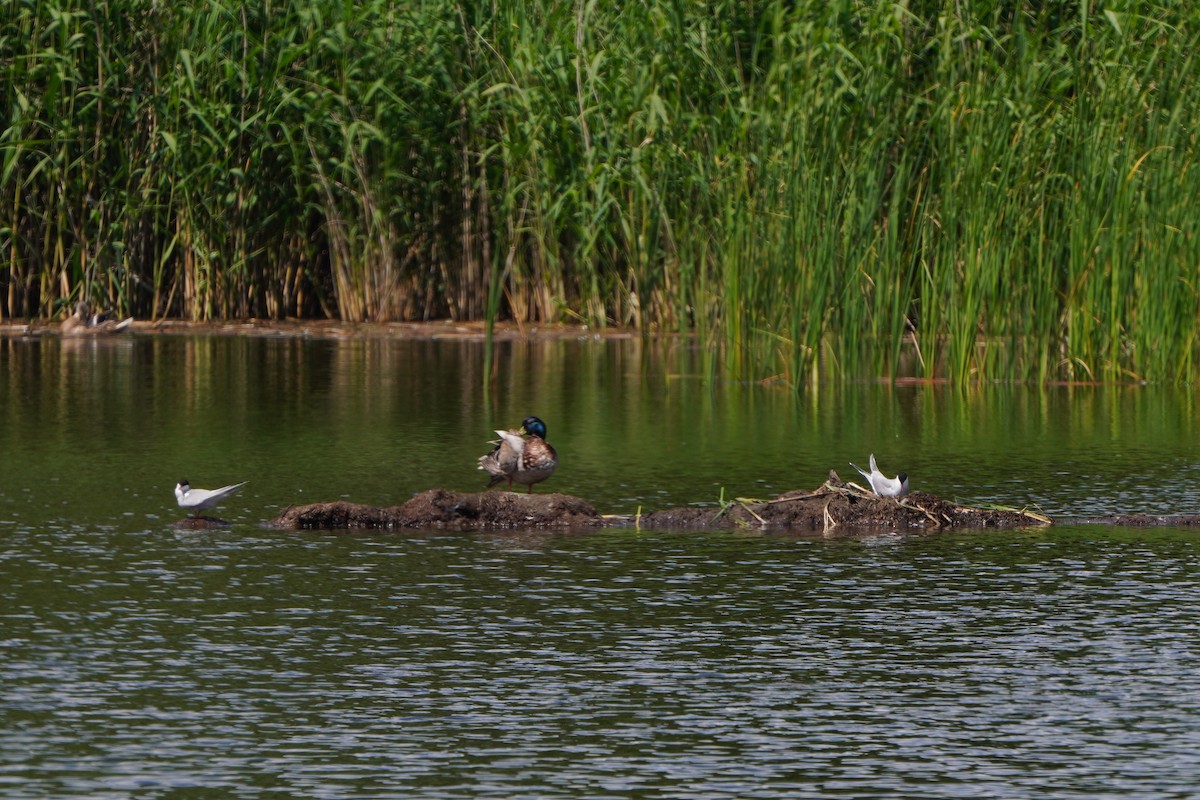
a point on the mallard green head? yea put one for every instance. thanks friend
(534, 427)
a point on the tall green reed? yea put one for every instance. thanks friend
(813, 189)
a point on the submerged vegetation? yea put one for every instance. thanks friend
(959, 190)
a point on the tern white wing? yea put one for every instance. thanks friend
(200, 499)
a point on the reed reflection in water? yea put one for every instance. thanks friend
(637, 424)
(143, 661)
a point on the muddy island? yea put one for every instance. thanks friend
(834, 506)
(444, 509)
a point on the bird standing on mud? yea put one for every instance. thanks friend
(881, 484)
(517, 458)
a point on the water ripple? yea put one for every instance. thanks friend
(609, 665)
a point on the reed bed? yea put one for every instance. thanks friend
(966, 191)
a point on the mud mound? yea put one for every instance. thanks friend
(1138, 520)
(837, 504)
(439, 508)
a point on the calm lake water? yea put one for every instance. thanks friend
(137, 660)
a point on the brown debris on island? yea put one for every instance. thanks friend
(837, 505)
(834, 506)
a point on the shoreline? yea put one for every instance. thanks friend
(338, 330)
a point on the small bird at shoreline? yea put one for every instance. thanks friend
(197, 500)
(881, 484)
(85, 323)
(517, 458)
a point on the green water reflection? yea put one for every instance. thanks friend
(103, 429)
(139, 660)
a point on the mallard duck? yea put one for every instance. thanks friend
(881, 484)
(524, 460)
(197, 500)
